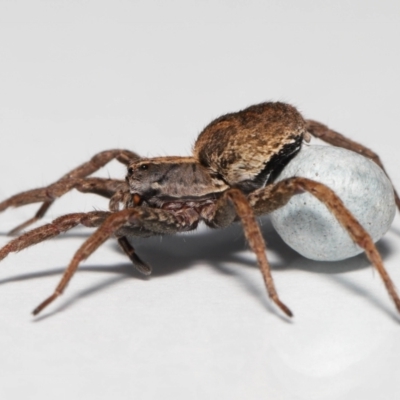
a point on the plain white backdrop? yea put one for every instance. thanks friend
(78, 77)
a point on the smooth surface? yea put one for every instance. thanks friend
(81, 77)
(307, 225)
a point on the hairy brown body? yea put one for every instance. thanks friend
(229, 177)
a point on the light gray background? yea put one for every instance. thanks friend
(78, 77)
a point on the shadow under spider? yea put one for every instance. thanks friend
(217, 248)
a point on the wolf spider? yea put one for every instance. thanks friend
(229, 177)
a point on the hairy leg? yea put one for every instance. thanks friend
(274, 196)
(102, 187)
(48, 231)
(48, 194)
(139, 264)
(130, 220)
(330, 136)
(234, 204)
(67, 222)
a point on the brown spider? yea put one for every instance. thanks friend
(230, 177)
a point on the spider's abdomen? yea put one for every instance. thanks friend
(244, 148)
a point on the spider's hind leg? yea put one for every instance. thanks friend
(334, 138)
(274, 196)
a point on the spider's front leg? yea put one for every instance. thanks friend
(72, 180)
(69, 221)
(274, 196)
(53, 229)
(105, 187)
(133, 221)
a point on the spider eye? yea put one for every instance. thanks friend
(130, 170)
(143, 167)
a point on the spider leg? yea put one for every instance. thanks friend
(100, 186)
(39, 214)
(65, 223)
(276, 195)
(48, 194)
(330, 136)
(156, 221)
(48, 231)
(139, 264)
(234, 204)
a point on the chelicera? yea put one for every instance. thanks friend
(229, 177)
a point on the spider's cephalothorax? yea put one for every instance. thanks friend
(229, 177)
(168, 179)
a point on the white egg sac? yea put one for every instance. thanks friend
(306, 224)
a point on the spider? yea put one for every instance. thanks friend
(229, 177)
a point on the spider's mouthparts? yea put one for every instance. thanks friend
(137, 199)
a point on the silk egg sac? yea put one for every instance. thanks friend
(306, 224)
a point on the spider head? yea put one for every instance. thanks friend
(143, 176)
(171, 179)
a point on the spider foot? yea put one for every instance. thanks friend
(45, 303)
(283, 307)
